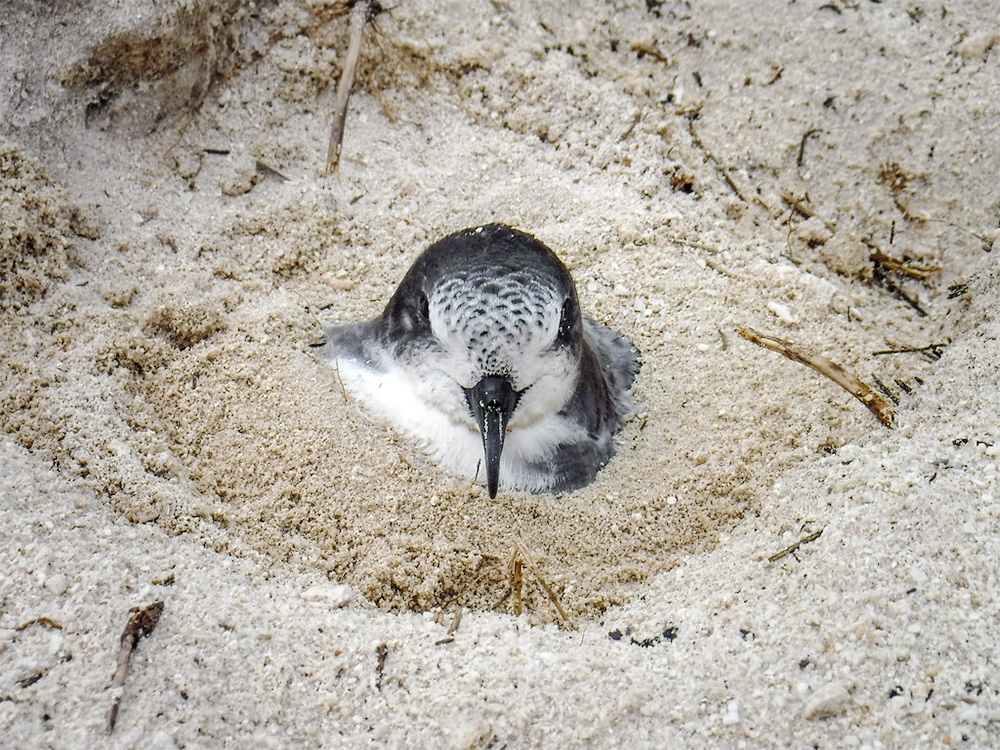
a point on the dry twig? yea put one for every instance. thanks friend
(360, 15)
(521, 558)
(455, 622)
(904, 267)
(381, 653)
(792, 548)
(802, 144)
(43, 621)
(140, 624)
(846, 380)
(799, 206)
(529, 562)
(932, 351)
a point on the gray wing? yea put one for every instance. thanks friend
(598, 406)
(358, 342)
(619, 360)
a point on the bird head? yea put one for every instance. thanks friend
(501, 314)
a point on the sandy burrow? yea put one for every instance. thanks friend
(170, 252)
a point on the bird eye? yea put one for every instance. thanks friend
(423, 305)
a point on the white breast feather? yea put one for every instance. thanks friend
(426, 413)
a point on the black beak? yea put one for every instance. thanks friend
(492, 401)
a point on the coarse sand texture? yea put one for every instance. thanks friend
(761, 564)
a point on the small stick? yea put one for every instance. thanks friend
(879, 277)
(798, 206)
(802, 144)
(516, 582)
(885, 390)
(732, 184)
(846, 380)
(793, 547)
(43, 621)
(359, 17)
(510, 577)
(381, 652)
(450, 635)
(931, 350)
(715, 162)
(630, 128)
(140, 624)
(336, 369)
(530, 563)
(915, 270)
(988, 243)
(774, 80)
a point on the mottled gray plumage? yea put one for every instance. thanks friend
(484, 356)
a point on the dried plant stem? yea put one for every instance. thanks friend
(792, 548)
(359, 17)
(846, 380)
(517, 577)
(532, 566)
(140, 624)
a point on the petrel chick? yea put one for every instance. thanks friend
(484, 356)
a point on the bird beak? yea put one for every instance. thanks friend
(492, 401)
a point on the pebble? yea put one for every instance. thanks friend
(977, 46)
(829, 700)
(846, 255)
(56, 584)
(339, 282)
(782, 312)
(472, 734)
(333, 594)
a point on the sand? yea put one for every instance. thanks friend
(169, 253)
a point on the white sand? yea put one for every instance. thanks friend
(163, 416)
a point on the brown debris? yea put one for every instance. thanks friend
(43, 621)
(139, 625)
(931, 351)
(455, 622)
(381, 652)
(792, 548)
(846, 380)
(520, 559)
(905, 267)
(523, 554)
(361, 13)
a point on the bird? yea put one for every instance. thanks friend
(484, 357)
